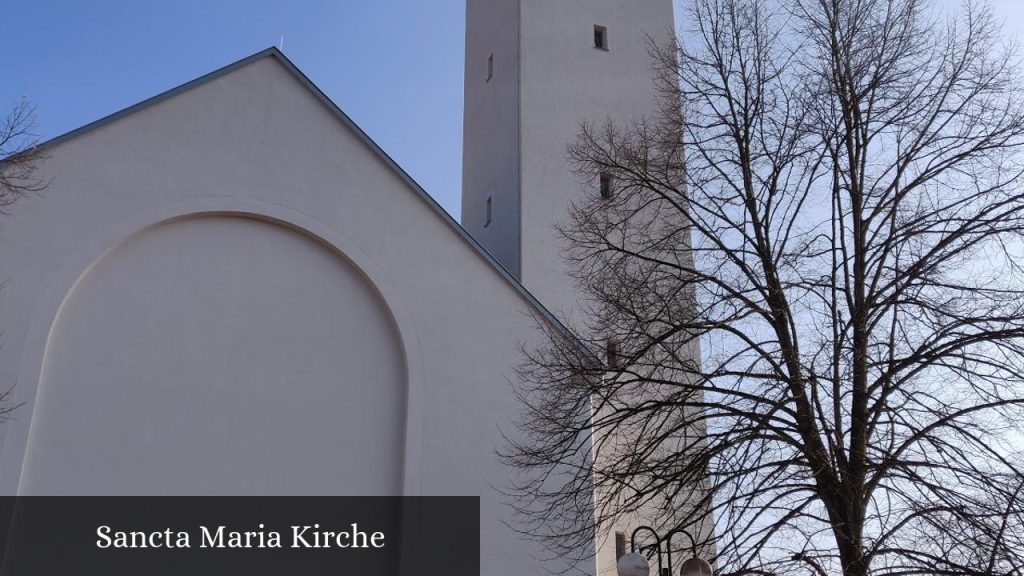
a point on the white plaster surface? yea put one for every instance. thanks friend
(559, 80)
(556, 80)
(220, 355)
(490, 167)
(234, 264)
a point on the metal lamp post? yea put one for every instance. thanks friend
(635, 563)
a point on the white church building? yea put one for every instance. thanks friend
(229, 289)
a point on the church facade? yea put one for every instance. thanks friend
(229, 289)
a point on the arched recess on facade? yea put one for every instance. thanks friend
(325, 376)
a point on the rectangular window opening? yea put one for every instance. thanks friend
(487, 216)
(620, 545)
(613, 354)
(607, 185)
(601, 37)
(490, 67)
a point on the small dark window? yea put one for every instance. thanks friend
(607, 185)
(613, 354)
(490, 67)
(487, 221)
(601, 37)
(620, 545)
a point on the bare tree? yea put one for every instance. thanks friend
(19, 155)
(810, 274)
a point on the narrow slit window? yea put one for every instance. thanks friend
(620, 545)
(613, 354)
(607, 185)
(487, 215)
(490, 67)
(601, 37)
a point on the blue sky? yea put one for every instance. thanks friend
(395, 66)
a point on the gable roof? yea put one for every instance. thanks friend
(276, 54)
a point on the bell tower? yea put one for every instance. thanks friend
(536, 69)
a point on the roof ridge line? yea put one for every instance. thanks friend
(274, 52)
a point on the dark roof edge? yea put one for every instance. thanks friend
(388, 160)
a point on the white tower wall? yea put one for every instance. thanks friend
(491, 129)
(548, 78)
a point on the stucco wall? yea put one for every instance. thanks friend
(255, 143)
(566, 81)
(549, 77)
(218, 354)
(490, 166)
